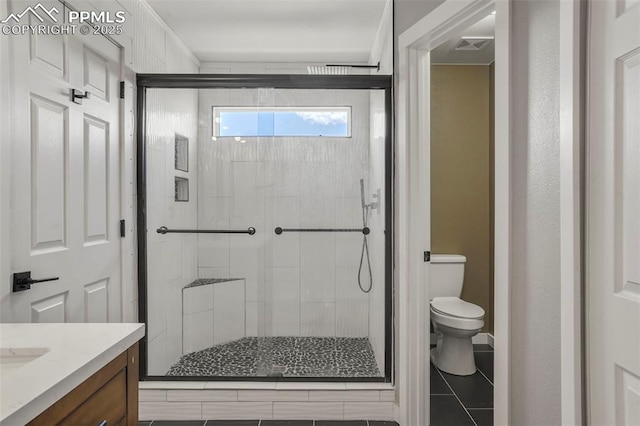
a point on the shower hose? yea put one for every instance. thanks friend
(365, 252)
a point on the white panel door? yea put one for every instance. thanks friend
(65, 200)
(613, 214)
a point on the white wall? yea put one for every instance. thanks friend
(5, 120)
(535, 280)
(296, 283)
(171, 258)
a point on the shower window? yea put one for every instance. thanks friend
(279, 266)
(282, 121)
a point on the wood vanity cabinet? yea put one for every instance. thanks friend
(108, 398)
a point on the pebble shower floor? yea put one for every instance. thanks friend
(282, 357)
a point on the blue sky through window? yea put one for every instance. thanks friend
(245, 122)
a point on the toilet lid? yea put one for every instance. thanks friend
(456, 307)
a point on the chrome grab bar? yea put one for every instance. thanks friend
(164, 230)
(364, 230)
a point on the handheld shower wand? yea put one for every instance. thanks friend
(365, 245)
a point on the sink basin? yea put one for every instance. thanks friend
(14, 358)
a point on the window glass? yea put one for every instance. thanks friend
(300, 121)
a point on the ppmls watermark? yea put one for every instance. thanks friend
(38, 20)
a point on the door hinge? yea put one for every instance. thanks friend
(122, 90)
(122, 228)
(427, 256)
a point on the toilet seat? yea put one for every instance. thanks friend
(457, 314)
(457, 308)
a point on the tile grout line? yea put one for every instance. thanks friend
(456, 395)
(485, 376)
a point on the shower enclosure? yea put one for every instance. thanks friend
(265, 227)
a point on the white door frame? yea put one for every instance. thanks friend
(413, 236)
(572, 120)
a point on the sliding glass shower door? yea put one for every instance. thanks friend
(267, 249)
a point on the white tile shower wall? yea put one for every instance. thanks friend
(294, 279)
(172, 260)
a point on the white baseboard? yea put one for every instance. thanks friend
(478, 339)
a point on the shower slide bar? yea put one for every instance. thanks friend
(364, 230)
(165, 230)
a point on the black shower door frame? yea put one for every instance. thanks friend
(261, 81)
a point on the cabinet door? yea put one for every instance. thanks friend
(108, 404)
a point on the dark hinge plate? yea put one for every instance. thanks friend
(122, 228)
(122, 90)
(427, 256)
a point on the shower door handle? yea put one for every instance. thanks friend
(280, 230)
(164, 230)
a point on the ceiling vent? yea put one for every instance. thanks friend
(325, 70)
(473, 43)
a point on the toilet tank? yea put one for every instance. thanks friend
(447, 275)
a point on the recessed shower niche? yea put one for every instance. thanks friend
(279, 266)
(181, 158)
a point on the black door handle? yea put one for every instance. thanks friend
(22, 281)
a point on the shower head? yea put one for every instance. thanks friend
(362, 193)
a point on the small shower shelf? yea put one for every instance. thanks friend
(207, 281)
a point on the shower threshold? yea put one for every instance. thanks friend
(311, 357)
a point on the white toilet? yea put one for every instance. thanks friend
(455, 321)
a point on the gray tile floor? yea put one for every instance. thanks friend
(282, 357)
(464, 400)
(269, 423)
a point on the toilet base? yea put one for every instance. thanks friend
(454, 354)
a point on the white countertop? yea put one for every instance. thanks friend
(74, 352)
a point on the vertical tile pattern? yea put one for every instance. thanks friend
(171, 260)
(171, 264)
(289, 182)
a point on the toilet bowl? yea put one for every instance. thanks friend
(455, 322)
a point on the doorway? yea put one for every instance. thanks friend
(416, 47)
(461, 78)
